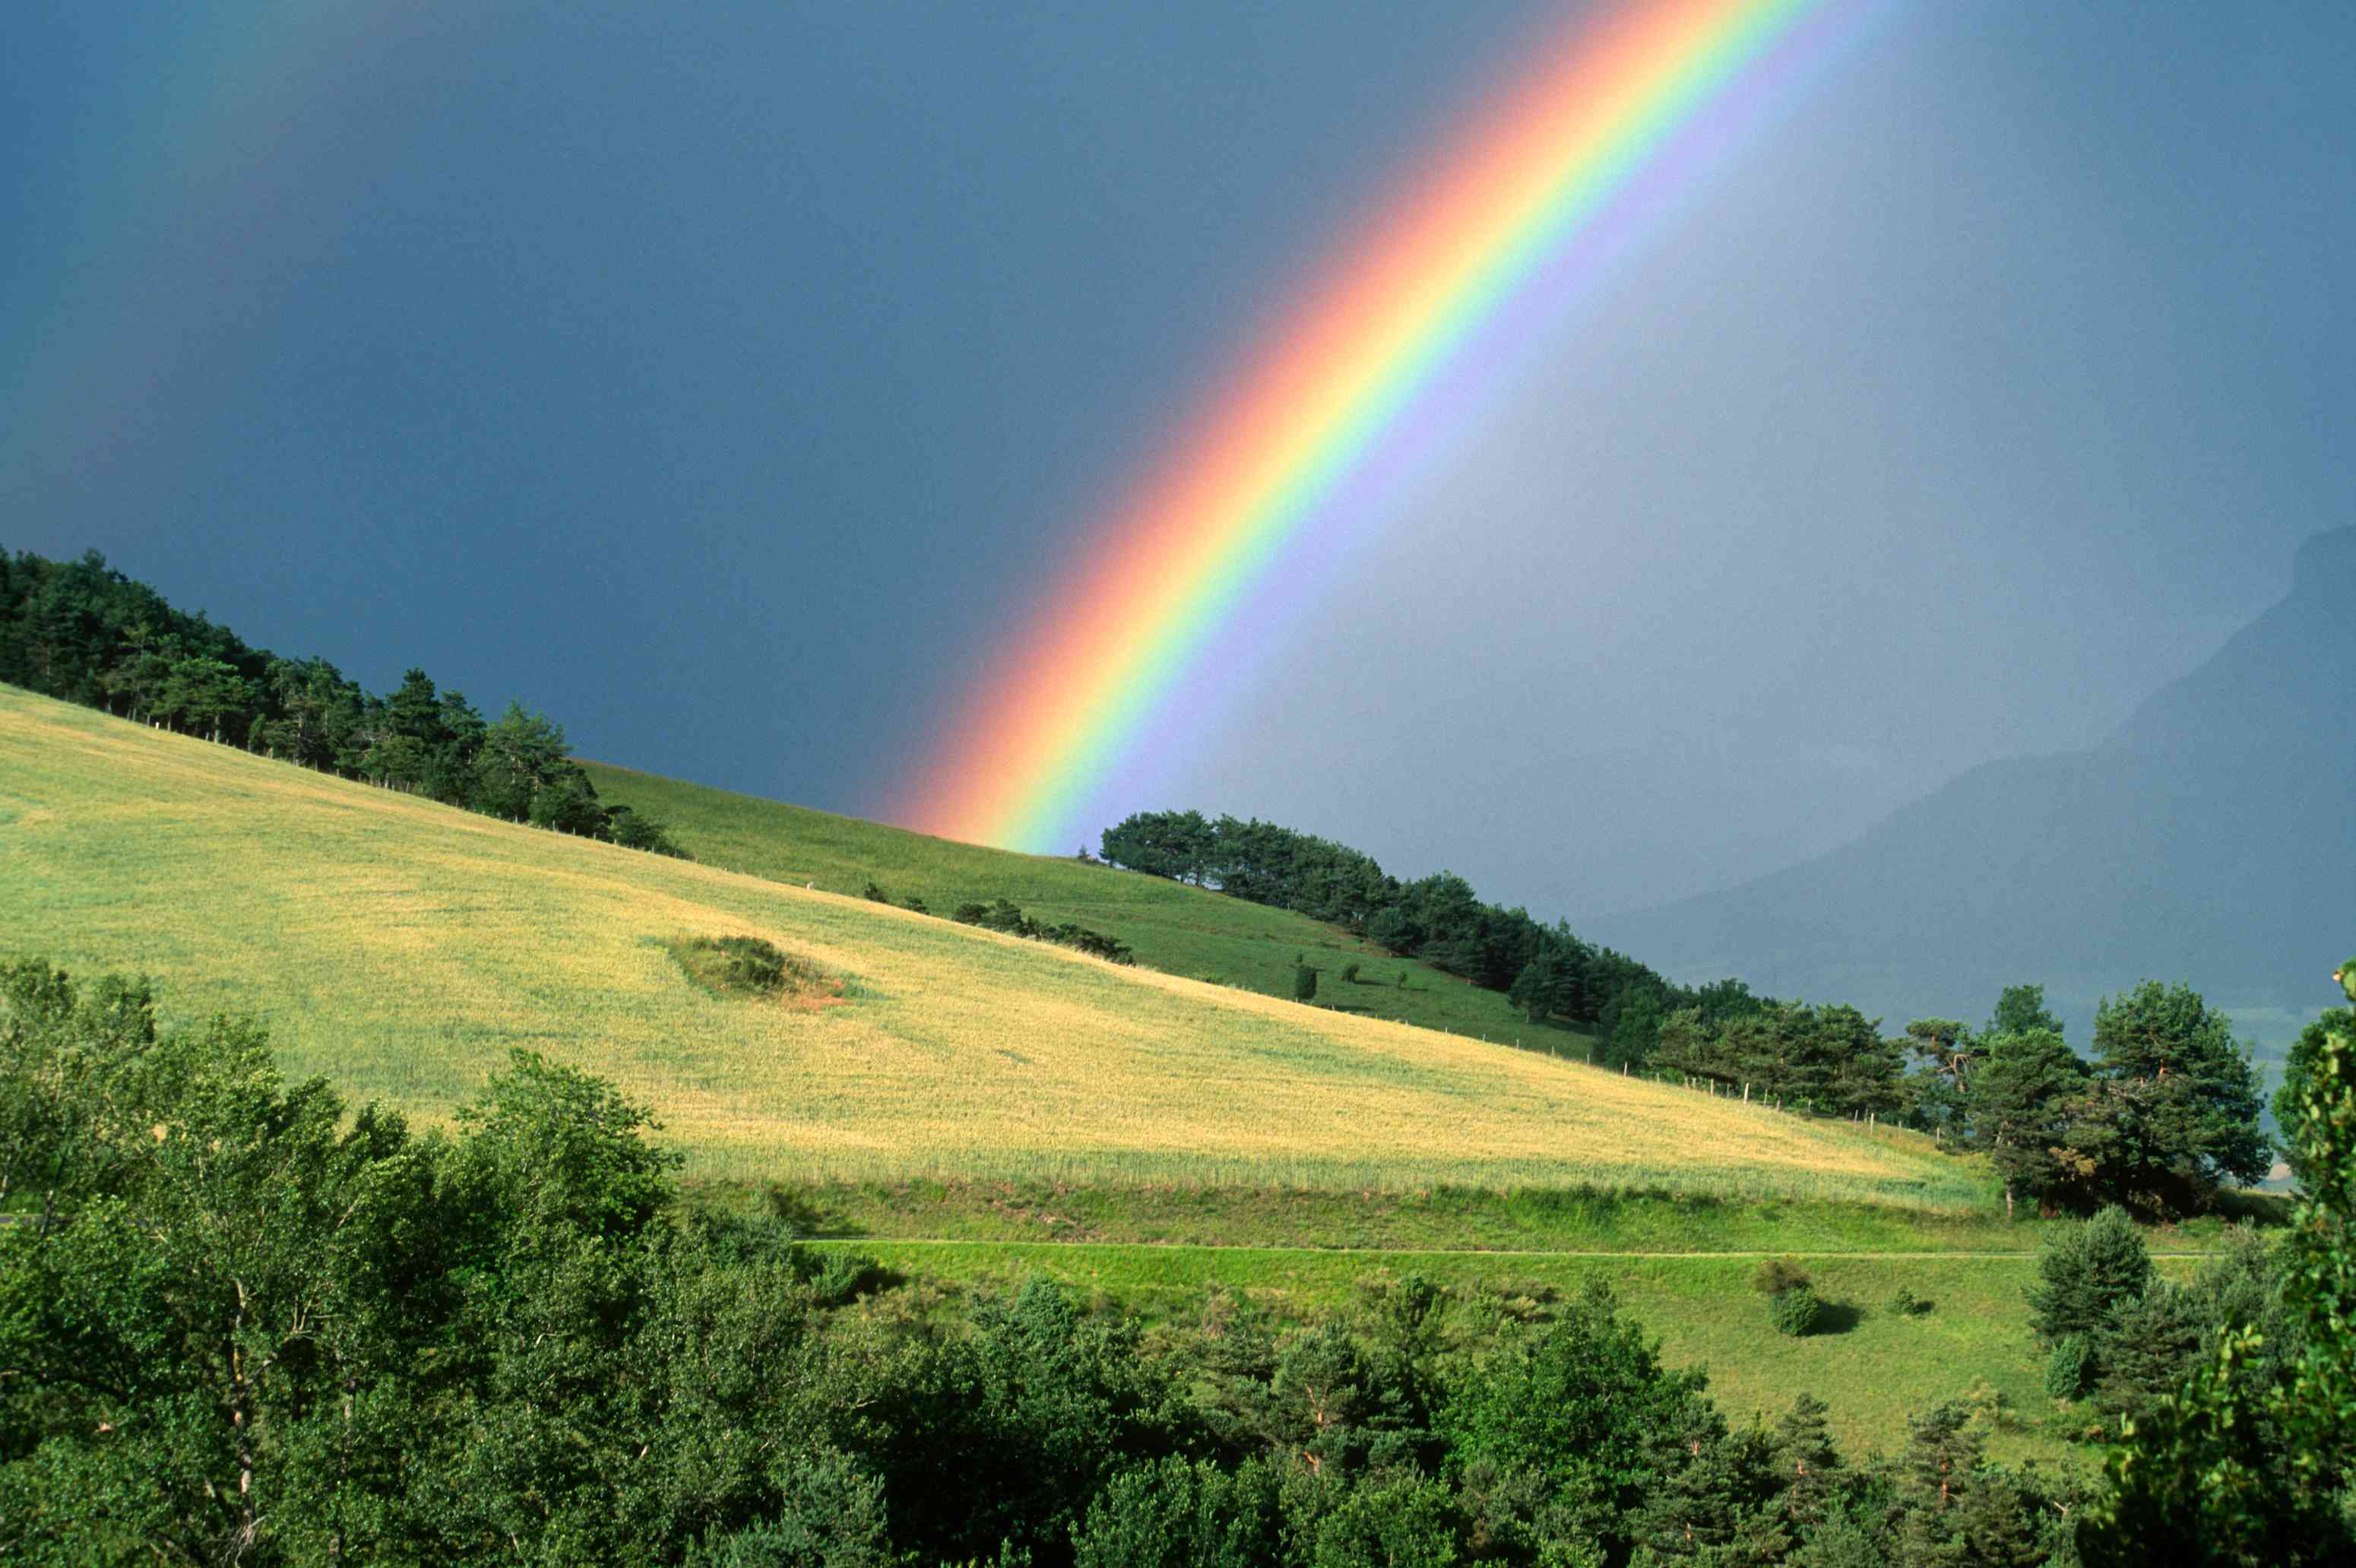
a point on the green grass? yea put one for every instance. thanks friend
(1175, 929)
(1875, 1367)
(401, 949)
(1440, 1218)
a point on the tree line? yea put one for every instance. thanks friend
(83, 633)
(242, 1322)
(1547, 970)
(2165, 1114)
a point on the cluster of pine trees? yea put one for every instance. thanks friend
(2166, 1113)
(239, 1324)
(82, 631)
(1548, 970)
(2122, 1340)
(1831, 1060)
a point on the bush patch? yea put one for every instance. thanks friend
(754, 967)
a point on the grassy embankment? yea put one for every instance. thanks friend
(1427, 1220)
(1873, 1366)
(400, 947)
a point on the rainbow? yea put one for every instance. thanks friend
(210, 160)
(1510, 221)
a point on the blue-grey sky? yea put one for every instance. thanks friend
(728, 380)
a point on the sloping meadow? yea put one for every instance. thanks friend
(401, 949)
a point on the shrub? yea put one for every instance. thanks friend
(632, 830)
(2070, 1370)
(749, 966)
(746, 963)
(1795, 1311)
(1005, 915)
(837, 1279)
(1776, 1275)
(1350, 973)
(1906, 1303)
(1401, 980)
(1305, 984)
(873, 894)
(917, 906)
(1088, 942)
(1991, 1412)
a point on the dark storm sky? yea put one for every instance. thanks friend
(727, 380)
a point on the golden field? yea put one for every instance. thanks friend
(402, 947)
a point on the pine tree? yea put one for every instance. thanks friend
(1996, 1524)
(2197, 1096)
(1716, 1492)
(2152, 1345)
(2088, 1271)
(1812, 1466)
(2020, 1102)
(1937, 1468)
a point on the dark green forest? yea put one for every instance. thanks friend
(241, 1322)
(83, 633)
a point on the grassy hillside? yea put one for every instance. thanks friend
(402, 947)
(1873, 1365)
(1175, 928)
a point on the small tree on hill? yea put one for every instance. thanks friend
(1304, 983)
(2088, 1272)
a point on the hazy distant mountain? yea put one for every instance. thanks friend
(2211, 838)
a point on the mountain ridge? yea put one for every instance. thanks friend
(2211, 838)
